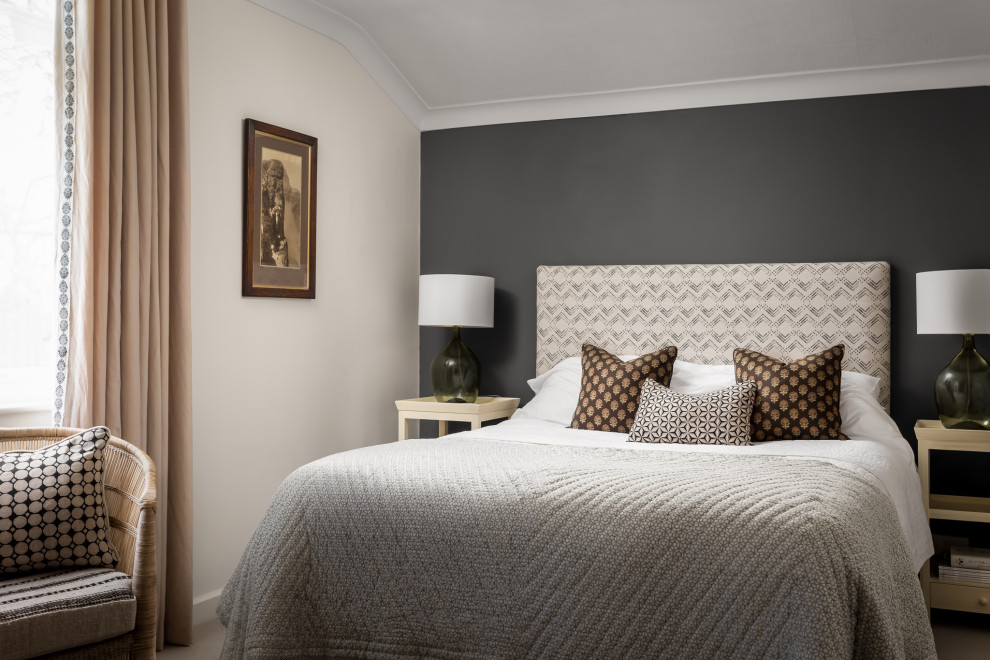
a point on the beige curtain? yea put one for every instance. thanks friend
(128, 364)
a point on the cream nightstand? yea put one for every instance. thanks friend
(427, 407)
(939, 592)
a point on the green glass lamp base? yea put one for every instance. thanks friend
(962, 390)
(455, 372)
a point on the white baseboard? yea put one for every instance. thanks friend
(205, 607)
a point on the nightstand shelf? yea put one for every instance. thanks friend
(939, 592)
(484, 409)
(959, 507)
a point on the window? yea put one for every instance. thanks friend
(28, 204)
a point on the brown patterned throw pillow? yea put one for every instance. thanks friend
(610, 387)
(797, 400)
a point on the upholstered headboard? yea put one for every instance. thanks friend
(784, 310)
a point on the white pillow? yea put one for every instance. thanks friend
(863, 382)
(863, 416)
(692, 378)
(564, 368)
(558, 389)
(557, 393)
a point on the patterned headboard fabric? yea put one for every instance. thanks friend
(784, 310)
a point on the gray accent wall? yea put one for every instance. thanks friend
(903, 178)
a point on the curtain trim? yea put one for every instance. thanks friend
(67, 64)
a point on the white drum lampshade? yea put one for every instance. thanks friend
(464, 301)
(456, 301)
(957, 302)
(954, 302)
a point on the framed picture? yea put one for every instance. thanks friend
(279, 212)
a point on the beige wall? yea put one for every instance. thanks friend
(278, 383)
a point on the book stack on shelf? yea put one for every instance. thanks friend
(966, 565)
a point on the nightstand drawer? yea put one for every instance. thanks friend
(961, 597)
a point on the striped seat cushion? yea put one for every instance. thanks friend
(50, 612)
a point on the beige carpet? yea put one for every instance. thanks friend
(958, 636)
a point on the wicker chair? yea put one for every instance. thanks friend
(129, 489)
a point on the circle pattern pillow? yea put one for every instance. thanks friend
(52, 510)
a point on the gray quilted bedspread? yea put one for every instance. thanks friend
(468, 548)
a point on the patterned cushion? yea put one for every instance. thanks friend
(48, 612)
(721, 417)
(51, 506)
(610, 387)
(797, 400)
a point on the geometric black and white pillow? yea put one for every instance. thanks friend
(52, 509)
(717, 418)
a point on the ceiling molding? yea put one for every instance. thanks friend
(359, 44)
(970, 72)
(942, 74)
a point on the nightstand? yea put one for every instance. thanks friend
(939, 592)
(427, 407)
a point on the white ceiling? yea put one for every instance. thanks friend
(463, 62)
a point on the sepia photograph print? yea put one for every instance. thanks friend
(279, 212)
(280, 208)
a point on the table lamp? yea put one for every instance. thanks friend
(958, 302)
(456, 301)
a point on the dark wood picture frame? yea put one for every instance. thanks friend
(279, 212)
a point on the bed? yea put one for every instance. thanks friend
(531, 540)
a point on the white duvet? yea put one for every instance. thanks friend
(875, 450)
